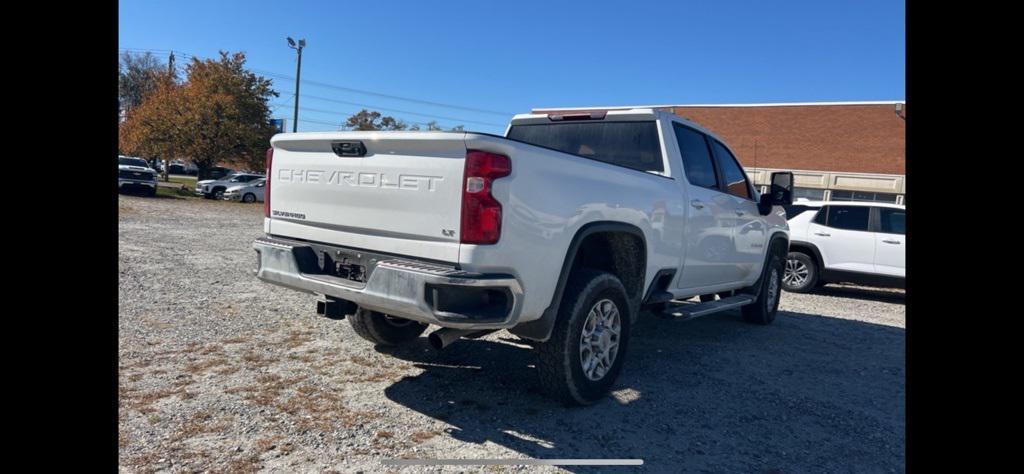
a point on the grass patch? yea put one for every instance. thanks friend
(175, 193)
(187, 181)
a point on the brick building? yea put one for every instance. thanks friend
(836, 150)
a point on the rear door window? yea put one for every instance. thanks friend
(849, 217)
(697, 164)
(892, 220)
(632, 145)
(733, 175)
(797, 209)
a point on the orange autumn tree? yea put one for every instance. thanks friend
(219, 114)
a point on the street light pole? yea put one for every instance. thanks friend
(298, 74)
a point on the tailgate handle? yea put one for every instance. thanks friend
(349, 148)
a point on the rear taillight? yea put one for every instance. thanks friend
(266, 187)
(481, 213)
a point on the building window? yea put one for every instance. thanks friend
(863, 196)
(809, 193)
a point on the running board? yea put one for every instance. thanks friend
(687, 311)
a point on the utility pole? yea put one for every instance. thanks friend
(170, 76)
(298, 73)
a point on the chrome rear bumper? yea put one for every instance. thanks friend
(396, 286)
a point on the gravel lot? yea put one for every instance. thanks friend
(220, 372)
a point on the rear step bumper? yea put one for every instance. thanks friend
(421, 291)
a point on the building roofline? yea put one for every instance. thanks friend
(770, 104)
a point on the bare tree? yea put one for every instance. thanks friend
(138, 76)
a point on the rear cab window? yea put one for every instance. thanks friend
(633, 144)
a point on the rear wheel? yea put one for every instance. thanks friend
(380, 328)
(581, 361)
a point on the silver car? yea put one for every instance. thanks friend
(248, 192)
(214, 188)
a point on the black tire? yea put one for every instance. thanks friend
(382, 329)
(799, 263)
(249, 197)
(218, 193)
(560, 358)
(152, 192)
(763, 310)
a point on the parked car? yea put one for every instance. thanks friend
(558, 232)
(220, 172)
(134, 174)
(180, 167)
(844, 241)
(249, 192)
(214, 188)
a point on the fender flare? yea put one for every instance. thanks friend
(540, 329)
(776, 237)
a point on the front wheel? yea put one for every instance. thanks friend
(218, 194)
(383, 329)
(580, 362)
(763, 310)
(249, 197)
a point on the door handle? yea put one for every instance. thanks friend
(892, 242)
(739, 213)
(823, 234)
(697, 204)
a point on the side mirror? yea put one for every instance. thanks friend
(779, 193)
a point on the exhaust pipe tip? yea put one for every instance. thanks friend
(435, 341)
(444, 337)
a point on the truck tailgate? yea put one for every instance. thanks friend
(403, 196)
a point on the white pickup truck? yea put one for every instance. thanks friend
(560, 232)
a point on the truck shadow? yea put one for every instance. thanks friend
(808, 393)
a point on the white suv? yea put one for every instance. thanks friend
(843, 241)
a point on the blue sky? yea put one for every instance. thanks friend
(508, 57)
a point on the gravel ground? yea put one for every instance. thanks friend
(220, 372)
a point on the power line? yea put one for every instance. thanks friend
(348, 114)
(388, 96)
(358, 104)
(351, 89)
(389, 109)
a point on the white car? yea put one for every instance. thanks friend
(559, 232)
(248, 192)
(214, 188)
(845, 241)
